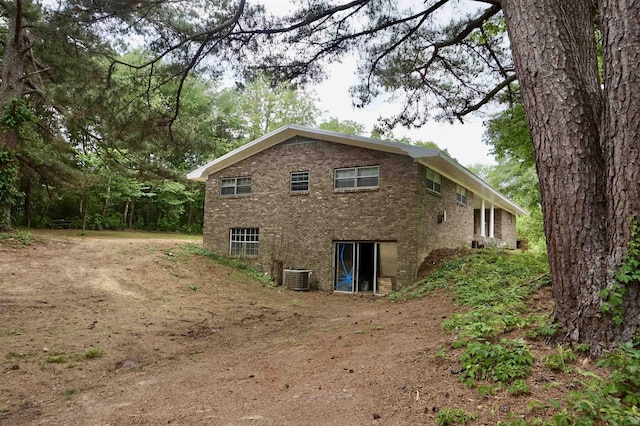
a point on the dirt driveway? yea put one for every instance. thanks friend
(117, 332)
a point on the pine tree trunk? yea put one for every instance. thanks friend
(125, 215)
(621, 136)
(13, 85)
(586, 225)
(27, 203)
(133, 205)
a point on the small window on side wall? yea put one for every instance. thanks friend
(434, 181)
(299, 182)
(235, 186)
(461, 194)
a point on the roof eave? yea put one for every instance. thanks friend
(472, 182)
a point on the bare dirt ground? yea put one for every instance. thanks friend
(117, 332)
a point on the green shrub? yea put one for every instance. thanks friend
(558, 361)
(519, 387)
(503, 362)
(448, 416)
(614, 400)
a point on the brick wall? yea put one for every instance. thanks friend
(455, 231)
(299, 229)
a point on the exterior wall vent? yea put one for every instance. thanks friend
(296, 279)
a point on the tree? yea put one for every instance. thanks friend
(584, 128)
(250, 110)
(348, 127)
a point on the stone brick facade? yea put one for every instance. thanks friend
(298, 230)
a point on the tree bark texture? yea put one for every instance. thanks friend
(13, 64)
(12, 86)
(584, 151)
(620, 23)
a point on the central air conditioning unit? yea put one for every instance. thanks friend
(296, 279)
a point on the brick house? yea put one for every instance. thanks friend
(359, 213)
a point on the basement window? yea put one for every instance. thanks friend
(244, 242)
(356, 177)
(235, 186)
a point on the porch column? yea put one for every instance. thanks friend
(491, 221)
(483, 222)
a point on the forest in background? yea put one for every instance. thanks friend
(141, 184)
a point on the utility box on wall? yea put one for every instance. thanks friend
(296, 279)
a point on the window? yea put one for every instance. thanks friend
(244, 242)
(356, 177)
(299, 181)
(461, 194)
(235, 186)
(434, 181)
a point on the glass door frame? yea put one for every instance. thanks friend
(350, 279)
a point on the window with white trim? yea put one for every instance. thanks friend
(244, 241)
(461, 194)
(299, 182)
(356, 177)
(434, 181)
(235, 186)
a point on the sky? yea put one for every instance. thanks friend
(462, 141)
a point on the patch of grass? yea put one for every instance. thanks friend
(93, 353)
(519, 387)
(159, 298)
(237, 264)
(138, 235)
(442, 353)
(485, 277)
(558, 361)
(447, 416)
(544, 328)
(13, 356)
(67, 393)
(502, 362)
(487, 321)
(17, 238)
(486, 390)
(56, 359)
(613, 400)
(192, 287)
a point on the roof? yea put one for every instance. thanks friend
(431, 158)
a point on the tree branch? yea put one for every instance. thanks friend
(506, 82)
